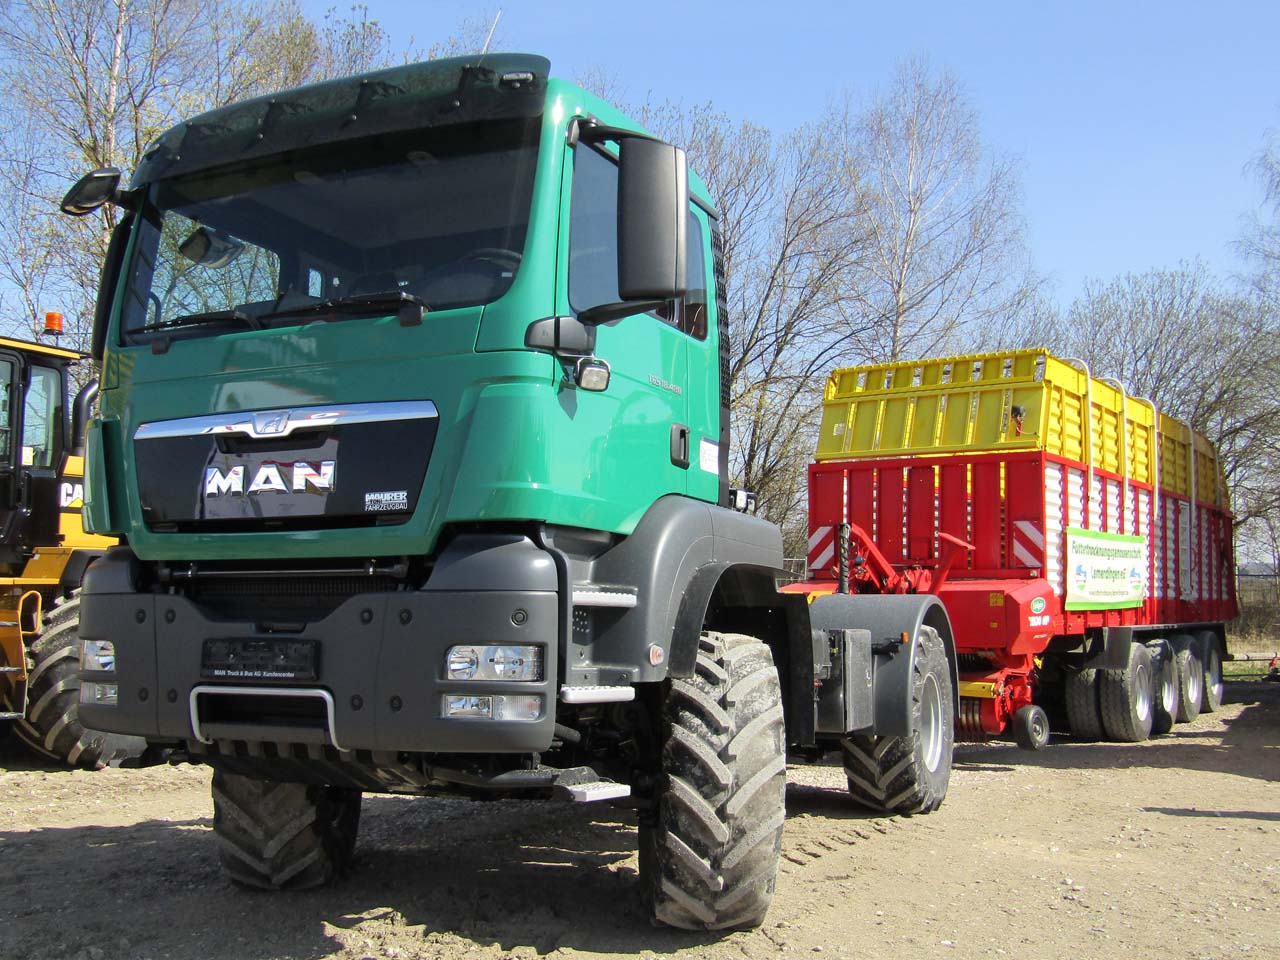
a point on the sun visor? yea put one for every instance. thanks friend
(418, 95)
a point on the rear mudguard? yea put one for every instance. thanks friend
(888, 617)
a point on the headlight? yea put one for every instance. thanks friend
(97, 655)
(494, 663)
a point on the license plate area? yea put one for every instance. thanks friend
(260, 658)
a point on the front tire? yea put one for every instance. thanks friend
(283, 836)
(907, 775)
(52, 725)
(710, 860)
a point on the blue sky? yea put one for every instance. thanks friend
(1131, 123)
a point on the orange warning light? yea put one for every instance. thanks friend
(53, 323)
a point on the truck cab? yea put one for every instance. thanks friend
(414, 425)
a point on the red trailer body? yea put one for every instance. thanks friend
(952, 477)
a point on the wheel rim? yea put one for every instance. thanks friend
(931, 723)
(1168, 691)
(1213, 674)
(1193, 685)
(1039, 728)
(1142, 692)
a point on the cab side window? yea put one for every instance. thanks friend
(593, 247)
(42, 418)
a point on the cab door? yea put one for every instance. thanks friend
(10, 486)
(640, 445)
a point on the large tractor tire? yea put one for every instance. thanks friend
(1211, 660)
(710, 860)
(283, 836)
(52, 724)
(1165, 700)
(1190, 676)
(907, 775)
(1125, 698)
(1083, 712)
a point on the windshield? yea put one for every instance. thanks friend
(438, 214)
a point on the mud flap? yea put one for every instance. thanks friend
(886, 618)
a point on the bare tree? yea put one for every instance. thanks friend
(789, 230)
(1205, 355)
(93, 82)
(945, 249)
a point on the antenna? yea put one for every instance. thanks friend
(487, 40)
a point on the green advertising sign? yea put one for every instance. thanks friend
(1105, 571)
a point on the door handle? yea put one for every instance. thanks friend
(680, 445)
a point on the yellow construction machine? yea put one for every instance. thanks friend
(43, 555)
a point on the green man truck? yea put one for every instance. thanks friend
(413, 426)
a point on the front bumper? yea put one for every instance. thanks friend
(381, 682)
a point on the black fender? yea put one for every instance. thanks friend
(678, 554)
(73, 573)
(888, 616)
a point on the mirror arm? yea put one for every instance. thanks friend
(607, 312)
(587, 130)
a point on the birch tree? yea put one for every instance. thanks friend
(944, 252)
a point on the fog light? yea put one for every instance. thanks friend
(468, 707)
(106, 694)
(494, 663)
(97, 655)
(509, 707)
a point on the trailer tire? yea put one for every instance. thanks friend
(1164, 702)
(52, 725)
(278, 836)
(1031, 727)
(1083, 712)
(710, 860)
(1190, 678)
(1125, 697)
(1211, 660)
(907, 775)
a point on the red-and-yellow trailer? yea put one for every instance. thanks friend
(1079, 538)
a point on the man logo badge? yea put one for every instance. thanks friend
(303, 477)
(271, 423)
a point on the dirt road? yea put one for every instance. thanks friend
(1168, 849)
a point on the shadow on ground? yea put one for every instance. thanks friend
(1247, 746)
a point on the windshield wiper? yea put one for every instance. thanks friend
(409, 307)
(201, 319)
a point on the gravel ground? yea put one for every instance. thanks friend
(1167, 849)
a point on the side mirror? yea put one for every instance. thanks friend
(653, 205)
(80, 410)
(91, 191)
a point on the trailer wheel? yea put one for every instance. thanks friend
(52, 725)
(1211, 660)
(1165, 702)
(1126, 696)
(1190, 677)
(1030, 727)
(710, 860)
(909, 775)
(277, 836)
(1083, 712)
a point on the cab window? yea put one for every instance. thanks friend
(42, 418)
(593, 247)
